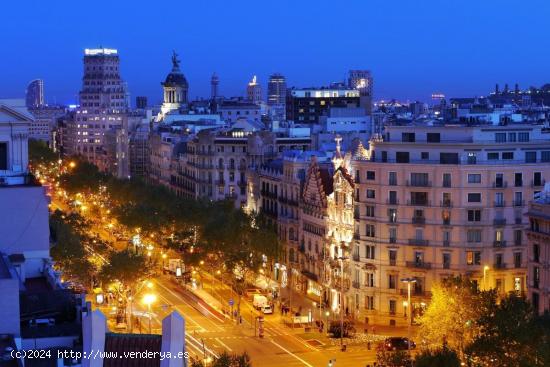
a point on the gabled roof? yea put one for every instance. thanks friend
(13, 110)
(346, 175)
(326, 180)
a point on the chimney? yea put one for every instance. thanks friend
(94, 326)
(173, 340)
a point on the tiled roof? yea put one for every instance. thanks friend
(326, 179)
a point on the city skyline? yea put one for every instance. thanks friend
(236, 42)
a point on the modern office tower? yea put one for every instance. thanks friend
(141, 102)
(276, 90)
(254, 91)
(362, 80)
(98, 131)
(175, 88)
(214, 82)
(538, 250)
(307, 105)
(443, 200)
(35, 94)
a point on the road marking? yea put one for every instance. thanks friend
(223, 344)
(292, 354)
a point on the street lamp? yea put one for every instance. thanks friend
(148, 300)
(409, 281)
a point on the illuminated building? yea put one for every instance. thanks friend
(306, 106)
(538, 249)
(276, 90)
(35, 93)
(254, 91)
(439, 201)
(362, 81)
(175, 88)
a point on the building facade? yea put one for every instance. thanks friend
(35, 94)
(306, 106)
(254, 91)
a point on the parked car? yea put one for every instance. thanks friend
(396, 343)
(267, 310)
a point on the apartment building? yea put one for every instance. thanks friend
(434, 201)
(538, 249)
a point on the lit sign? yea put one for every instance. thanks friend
(100, 51)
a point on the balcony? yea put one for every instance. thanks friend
(419, 220)
(418, 202)
(519, 203)
(498, 266)
(538, 183)
(446, 204)
(220, 182)
(392, 202)
(500, 184)
(419, 183)
(499, 204)
(446, 243)
(417, 242)
(356, 257)
(356, 236)
(499, 221)
(415, 292)
(418, 265)
(356, 285)
(499, 244)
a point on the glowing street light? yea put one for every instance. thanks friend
(148, 300)
(485, 270)
(409, 281)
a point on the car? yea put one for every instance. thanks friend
(267, 310)
(396, 343)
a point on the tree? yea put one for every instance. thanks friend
(442, 357)
(125, 267)
(40, 153)
(335, 329)
(510, 335)
(452, 313)
(387, 358)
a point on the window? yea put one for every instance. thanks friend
(474, 197)
(498, 261)
(473, 235)
(424, 155)
(371, 194)
(536, 252)
(508, 155)
(446, 180)
(3, 156)
(474, 178)
(433, 137)
(419, 198)
(392, 306)
(369, 279)
(371, 175)
(499, 199)
(369, 302)
(369, 211)
(370, 230)
(500, 137)
(446, 260)
(474, 215)
(369, 252)
(530, 157)
(512, 137)
(392, 281)
(545, 156)
(523, 137)
(473, 257)
(408, 137)
(517, 260)
(392, 197)
(518, 198)
(392, 215)
(402, 157)
(472, 158)
(392, 234)
(518, 179)
(448, 158)
(419, 179)
(392, 178)
(392, 255)
(499, 180)
(492, 156)
(537, 179)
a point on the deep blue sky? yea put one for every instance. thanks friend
(413, 47)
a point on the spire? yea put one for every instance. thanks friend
(175, 61)
(338, 158)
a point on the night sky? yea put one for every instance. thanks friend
(413, 47)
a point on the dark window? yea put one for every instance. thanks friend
(392, 178)
(433, 137)
(402, 157)
(392, 255)
(446, 180)
(545, 156)
(3, 156)
(474, 198)
(508, 155)
(408, 137)
(492, 156)
(474, 215)
(425, 155)
(536, 252)
(500, 137)
(537, 179)
(530, 157)
(518, 180)
(371, 175)
(448, 158)
(384, 156)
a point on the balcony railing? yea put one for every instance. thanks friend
(419, 265)
(499, 243)
(356, 257)
(418, 202)
(446, 243)
(415, 292)
(499, 266)
(356, 285)
(392, 202)
(519, 202)
(419, 183)
(499, 221)
(417, 242)
(446, 203)
(500, 184)
(419, 220)
(499, 204)
(537, 183)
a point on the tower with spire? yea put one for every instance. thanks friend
(214, 81)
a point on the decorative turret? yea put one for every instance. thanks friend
(175, 87)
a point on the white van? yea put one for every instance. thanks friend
(259, 301)
(267, 310)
